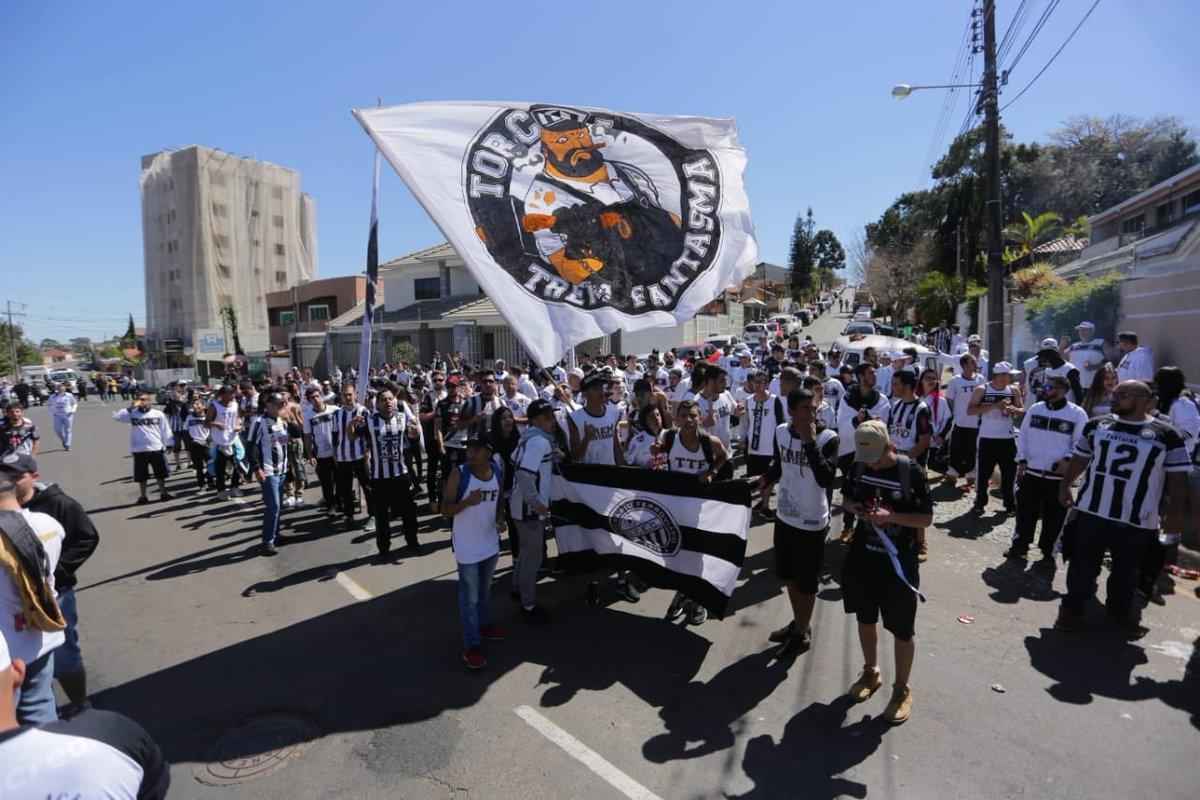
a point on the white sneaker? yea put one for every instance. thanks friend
(288, 502)
(298, 502)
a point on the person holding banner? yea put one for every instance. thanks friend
(804, 464)
(889, 498)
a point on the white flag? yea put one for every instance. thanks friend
(578, 222)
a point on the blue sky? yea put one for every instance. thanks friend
(89, 88)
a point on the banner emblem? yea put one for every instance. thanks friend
(647, 524)
(593, 210)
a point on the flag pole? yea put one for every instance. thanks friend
(364, 348)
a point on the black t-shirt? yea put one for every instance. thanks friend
(449, 409)
(884, 487)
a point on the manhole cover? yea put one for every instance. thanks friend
(259, 747)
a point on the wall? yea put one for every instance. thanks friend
(1164, 311)
(398, 283)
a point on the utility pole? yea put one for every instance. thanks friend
(12, 340)
(991, 111)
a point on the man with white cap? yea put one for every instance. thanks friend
(94, 754)
(975, 348)
(1087, 354)
(1033, 373)
(1045, 364)
(1137, 362)
(996, 403)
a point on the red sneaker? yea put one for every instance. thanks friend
(493, 633)
(473, 658)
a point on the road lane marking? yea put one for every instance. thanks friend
(585, 755)
(353, 587)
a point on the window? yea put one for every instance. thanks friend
(170, 216)
(1134, 224)
(221, 240)
(1191, 202)
(279, 250)
(224, 269)
(277, 221)
(318, 313)
(256, 242)
(287, 318)
(427, 288)
(277, 192)
(219, 210)
(489, 346)
(254, 213)
(280, 277)
(216, 178)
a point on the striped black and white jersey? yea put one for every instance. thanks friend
(1127, 468)
(345, 446)
(319, 425)
(994, 423)
(267, 448)
(387, 439)
(908, 421)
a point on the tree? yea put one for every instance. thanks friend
(81, 344)
(1031, 232)
(829, 256)
(229, 316)
(802, 257)
(50, 344)
(130, 333)
(27, 352)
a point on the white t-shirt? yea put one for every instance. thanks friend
(24, 642)
(474, 535)
(534, 455)
(722, 408)
(226, 415)
(958, 393)
(637, 452)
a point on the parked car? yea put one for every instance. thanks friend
(852, 348)
(861, 327)
(786, 323)
(67, 377)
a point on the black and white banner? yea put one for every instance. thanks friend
(578, 222)
(665, 526)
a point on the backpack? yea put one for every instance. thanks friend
(464, 475)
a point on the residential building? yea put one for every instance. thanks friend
(220, 231)
(433, 304)
(310, 307)
(1153, 241)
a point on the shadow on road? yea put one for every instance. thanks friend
(814, 751)
(1087, 665)
(970, 525)
(394, 660)
(1012, 582)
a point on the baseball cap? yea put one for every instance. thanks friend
(18, 463)
(1049, 341)
(870, 441)
(1003, 368)
(599, 377)
(974, 338)
(539, 407)
(577, 372)
(1085, 324)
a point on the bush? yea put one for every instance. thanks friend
(1034, 281)
(1057, 310)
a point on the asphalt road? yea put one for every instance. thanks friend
(351, 669)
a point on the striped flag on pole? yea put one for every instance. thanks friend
(667, 527)
(364, 348)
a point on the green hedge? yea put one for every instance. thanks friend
(1058, 310)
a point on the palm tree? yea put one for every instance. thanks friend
(1031, 232)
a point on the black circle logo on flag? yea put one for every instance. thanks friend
(647, 524)
(591, 209)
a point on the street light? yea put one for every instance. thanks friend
(903, 90)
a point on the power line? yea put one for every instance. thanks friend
(965, 47)
(1037, 29)
(1053, 57)
(1014, 29)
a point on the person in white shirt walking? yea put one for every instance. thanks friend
(530, 503)
(222, 418)
(1137, 363)
(149, 437)
(473, 500)
(62, 410)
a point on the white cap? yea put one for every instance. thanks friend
(1049, 341)
(577, 372)
(1085, 324)
(5, 659)
(974, 339)
(1003, 368)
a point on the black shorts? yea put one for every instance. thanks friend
(871, 588)
(799, 555)
(757, 465)
(143, 462)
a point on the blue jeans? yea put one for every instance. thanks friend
(62, 427)
(35, 699)
(68, 658)
(271, 489)
(474, 593)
